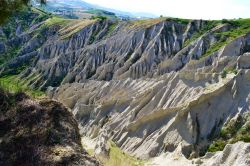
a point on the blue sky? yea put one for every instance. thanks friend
(195, 9)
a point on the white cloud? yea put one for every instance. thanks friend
(205, 9)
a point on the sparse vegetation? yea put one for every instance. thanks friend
(214, 47)
(179, 20)
(10, 54)
(111, 28)
(228, 71)
(205, 28)
(118, 157)
(144, 23)
(93, 36)
(236, 130)
(23, 19)
(56, 20)
(217, 146)
(238, 28)
(73, 27)
(224, 73)
(102, 18)
(41, 15)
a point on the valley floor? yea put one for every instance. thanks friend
(117, 156)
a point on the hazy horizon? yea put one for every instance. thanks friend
(193, 9)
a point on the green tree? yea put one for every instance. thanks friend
(7, 7)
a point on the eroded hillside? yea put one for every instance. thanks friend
(153, 86)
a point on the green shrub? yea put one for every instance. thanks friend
(234, 131)
(111, 28)
(217, 146)
(235, 71)
(227, 71)
(99, 17)
(224, 73)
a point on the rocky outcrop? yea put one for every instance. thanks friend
(236, 154)
(39, 133)
(233, 155)
(102, 148)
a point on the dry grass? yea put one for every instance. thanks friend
(74, 27)
(57, 21)
(67, 27)
(144, 23)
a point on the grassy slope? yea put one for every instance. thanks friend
(73, 27)
(118, 157)
(68, 27)
(13, 84)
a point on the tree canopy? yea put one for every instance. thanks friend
(7, 7)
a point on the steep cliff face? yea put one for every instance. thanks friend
(153, 85)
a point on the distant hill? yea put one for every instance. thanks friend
(79, 9)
